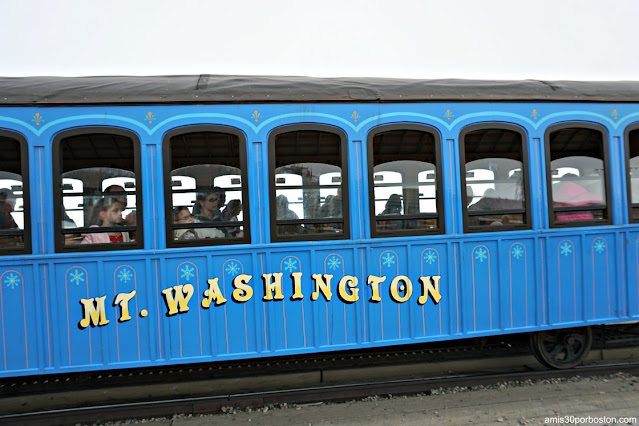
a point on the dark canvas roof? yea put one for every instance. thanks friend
(258, 89)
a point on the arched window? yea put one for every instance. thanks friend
(15, 224)
(494, 178)
(404, 177)
(577, 175)
(309, 183)
(632, 166)
(205, 185)
(97, 188)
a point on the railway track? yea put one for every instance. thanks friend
(338, 377)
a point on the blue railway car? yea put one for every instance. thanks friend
(149, 221)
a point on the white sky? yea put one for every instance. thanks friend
(485, 39)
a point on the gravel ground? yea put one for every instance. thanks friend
(484, 404)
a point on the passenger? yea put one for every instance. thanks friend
(207, 210)
(571, 194)
(495, 206)
(107, 213)
(122, 198)
(7, 204)
(181, 216)
(208, 207)
(327, 207)
(284, 213)
(393, 207)
(336, 204)
(67, 222)
(469, 195)
(230, 213)
(489, 193)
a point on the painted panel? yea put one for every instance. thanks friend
(481, 287)
(565, 291)
(189, 328)
(128, 330)
(520, 291)
(337, 320)
(433, 319)
(17, 314)
(600, 267)
(291, 322)
(234, 322)
(631, 250)
(390, 319)
(78, 344)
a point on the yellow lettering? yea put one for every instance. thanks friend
(374, 282)
(323, 285)
(395, 288)
(93, 312)
(183, 294)
(297, 286)
(348, 282)
(428, 289)
(123, 299)
(271, 285)
(243, 292)
(213, 294)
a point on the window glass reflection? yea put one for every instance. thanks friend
(494, 179)
(578, 178)
(404, 182)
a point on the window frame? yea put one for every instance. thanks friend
(626, 137)
(26, 197)
(168, 194)
(525, 173)
(59, 245)
(325, 128)
(552, 223)
(439, 202)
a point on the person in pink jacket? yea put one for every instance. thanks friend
(571, 194)
(107, 213)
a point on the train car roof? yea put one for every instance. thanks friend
(267, 89)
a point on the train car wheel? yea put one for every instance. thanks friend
(561, 348)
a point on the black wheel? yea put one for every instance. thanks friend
(564, 348)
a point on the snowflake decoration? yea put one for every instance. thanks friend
(389, 259)
(125, 275)
(600, 246)
(481, 255)
(187, 272)
(290, 264)
(76, 277)
(233, 269)
(518, 251)
(334, 263)
(566, 249)
(430, 256)
(12, 280)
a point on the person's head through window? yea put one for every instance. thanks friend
(209, 204)
(108, 212)
(182, 215)
(232, 210)
(393, 205)
(7, 205)
(120, 196)
(469, 195)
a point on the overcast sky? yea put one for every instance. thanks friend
(487, 39)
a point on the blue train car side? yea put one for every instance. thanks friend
(309, 282)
